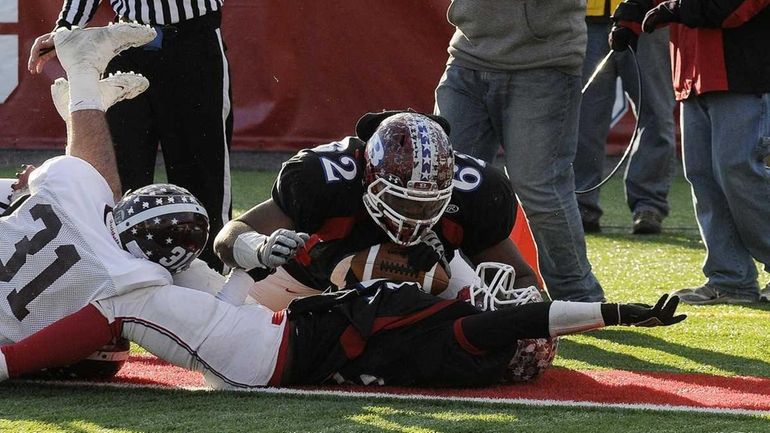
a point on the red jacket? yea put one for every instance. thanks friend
(721, 45)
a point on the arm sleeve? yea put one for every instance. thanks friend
(296, 191)
(719, 13)
(77, 13)
(493, 216)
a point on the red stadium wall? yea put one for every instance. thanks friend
(302, 72)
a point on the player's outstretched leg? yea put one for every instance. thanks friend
(113, 89)
(80, 49)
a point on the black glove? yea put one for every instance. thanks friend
(662, 314)
(429, 251)
(664, 13)
(627, 19)
(622, 37)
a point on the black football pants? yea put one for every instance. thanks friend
(187, 110)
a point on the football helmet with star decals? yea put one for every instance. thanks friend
(492, 290)
(162, 223)
(408, 173)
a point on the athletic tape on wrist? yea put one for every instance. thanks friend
(573, 317)
(245, 250)
(236, 288)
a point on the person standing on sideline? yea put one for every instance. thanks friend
(648, 173)
(187, 109)
(513, 79)
(721, 66)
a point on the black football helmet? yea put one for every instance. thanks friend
(163, 223)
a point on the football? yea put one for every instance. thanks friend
(388, 261)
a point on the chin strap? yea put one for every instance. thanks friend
(632, 144)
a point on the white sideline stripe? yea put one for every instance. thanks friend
(382, 395)
(369, 267)
(226, 196)
(519, 401)
(158, 211)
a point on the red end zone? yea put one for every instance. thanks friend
(602, 387)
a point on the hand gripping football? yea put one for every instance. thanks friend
(388, 261)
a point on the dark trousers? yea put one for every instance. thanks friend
(187, 110)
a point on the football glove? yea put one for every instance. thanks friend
(621, 38)
(661, 15)
(662, 314)
(627, 19)
(280, 247)
(426, 253)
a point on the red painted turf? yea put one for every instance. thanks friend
(607, 386)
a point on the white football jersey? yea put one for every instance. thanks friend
(58, 250)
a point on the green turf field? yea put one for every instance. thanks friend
(719, 340)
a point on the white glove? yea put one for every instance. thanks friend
(280, 247)
(255, 250)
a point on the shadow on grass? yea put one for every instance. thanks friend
(590, 354)
(690, 240)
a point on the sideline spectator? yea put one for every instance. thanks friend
(513, 79)
(187, 108)
(721, 66)
(650, 167)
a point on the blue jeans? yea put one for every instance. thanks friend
(726, 143)
(533, 114)
(650, 168)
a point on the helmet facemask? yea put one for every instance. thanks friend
(406, 213)
(493, 288)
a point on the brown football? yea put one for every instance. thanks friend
(390, 261)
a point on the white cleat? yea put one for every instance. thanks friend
(115, 88)
(94, 47)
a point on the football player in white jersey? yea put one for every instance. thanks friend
(59, 245)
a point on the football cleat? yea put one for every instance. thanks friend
(115, 88)
(85, 48)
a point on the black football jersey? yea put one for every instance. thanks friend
(321, 190)
(387, 333)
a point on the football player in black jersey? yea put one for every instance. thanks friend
(377, 332)
(397, 181)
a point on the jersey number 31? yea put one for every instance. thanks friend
(66, 257)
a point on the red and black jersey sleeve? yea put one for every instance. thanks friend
(321, 183)
(719, 13)
(483, 207)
